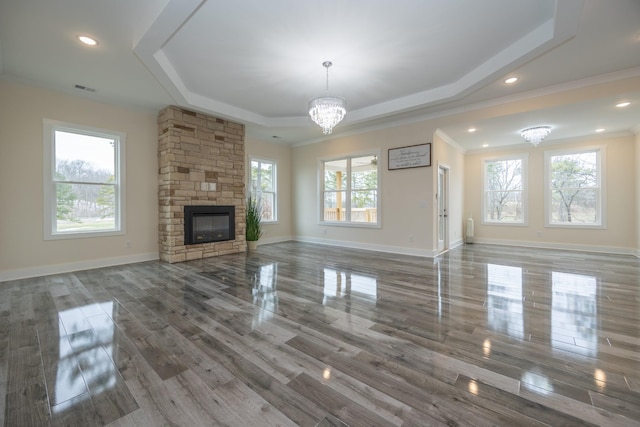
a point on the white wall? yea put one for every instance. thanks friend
(23, 251)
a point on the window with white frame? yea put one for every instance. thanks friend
(350, 190)
(263, 181)
(505, 191)
(574, 195)
(83, 181)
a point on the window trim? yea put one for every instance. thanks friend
(50, 209)
(601, 161)
(524, 157)
(320, 210)
(275, 184)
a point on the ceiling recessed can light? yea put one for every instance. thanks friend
(623, 104)
(471, 130)
(511, 80)
(89, 41)
(600, 130)
(485, 145)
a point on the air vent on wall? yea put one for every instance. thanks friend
(88, 89)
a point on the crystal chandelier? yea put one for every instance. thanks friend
(535, 135)
(327, 111)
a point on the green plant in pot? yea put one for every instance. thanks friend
(254, 222)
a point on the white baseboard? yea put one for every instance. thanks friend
(108, 262)
(279, 239)
(562, 246)
(368, 246)
(26, 273)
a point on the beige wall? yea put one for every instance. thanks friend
(407, 194)
(23, 250)
(281, 154)
(620, 234)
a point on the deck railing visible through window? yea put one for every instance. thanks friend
(357, 214)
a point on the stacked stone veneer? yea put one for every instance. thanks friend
(201, 162)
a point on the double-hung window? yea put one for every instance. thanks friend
(574, 195)
(350, 190)
(263, 181)
(83, 181)
(505, 196)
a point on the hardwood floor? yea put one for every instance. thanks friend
(301, 334)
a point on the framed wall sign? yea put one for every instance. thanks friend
(413, 156)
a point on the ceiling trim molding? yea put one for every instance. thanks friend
(149, 49)
(550, 34)
(170, 19)
(524, 96)
(446, 138)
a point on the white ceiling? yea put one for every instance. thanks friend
(259, 62)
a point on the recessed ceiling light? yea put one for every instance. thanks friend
(485, 145)
(87, 40)
(600, 130)
(511, 80)
(623, 104)
(471, 130)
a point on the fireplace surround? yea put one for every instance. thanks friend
(201, 163)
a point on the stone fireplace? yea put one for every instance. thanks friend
(201, 172)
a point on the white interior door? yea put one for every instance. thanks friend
(443, 208)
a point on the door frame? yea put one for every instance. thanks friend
(442, 195)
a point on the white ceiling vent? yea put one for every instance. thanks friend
(87, 89)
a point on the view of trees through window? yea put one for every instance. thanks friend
(85, 184)
(350, 191)
(575, 188)
(504, 191)
(263, 185)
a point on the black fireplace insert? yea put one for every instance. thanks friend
(205, 224)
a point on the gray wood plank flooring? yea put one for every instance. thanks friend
(310, 335)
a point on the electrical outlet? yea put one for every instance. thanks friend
(539, 233)
(128, 244)
(411, 238)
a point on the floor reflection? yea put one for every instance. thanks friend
(537, 382)
(504, 300)
(264, 292)
(574, 314)
(87, 344)
(339, 284)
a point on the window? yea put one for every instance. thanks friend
(263, 185)
(350, 190)
(574, 194)
(505, 191)
(83, 181)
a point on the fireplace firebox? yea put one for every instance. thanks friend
(205, 224)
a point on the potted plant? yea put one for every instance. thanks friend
(254, 222)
